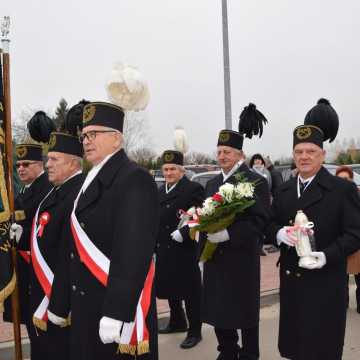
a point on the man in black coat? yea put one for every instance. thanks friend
(114, 227)
(231, 288)
(49, 240)
(177, 270)
(36, 185)
(313, 294)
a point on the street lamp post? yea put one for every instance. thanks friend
(227, 86)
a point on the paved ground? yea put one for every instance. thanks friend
(206, 350)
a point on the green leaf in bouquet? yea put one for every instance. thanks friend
(208, 251)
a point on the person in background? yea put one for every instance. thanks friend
(276, 177)
(257, 165)
(347, 173)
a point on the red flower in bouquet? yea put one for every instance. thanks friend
(218, 198)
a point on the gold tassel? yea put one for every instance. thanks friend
(68, 322)
(126, 349)
(41, 324)
(9, 288)
(143, 347)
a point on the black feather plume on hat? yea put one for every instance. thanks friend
(74, 119)
(40, 127)
(251, 121)
(324, 117)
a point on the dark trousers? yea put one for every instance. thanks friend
(228, 343)
(53, 344)
(193, 309)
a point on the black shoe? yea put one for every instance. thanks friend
(190, 341)
(170, 329)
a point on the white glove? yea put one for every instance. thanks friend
(218, 237)
(176, 236)
(109, 330)
(16, 231)
(286, 236)
(320, 260)
(57, 320)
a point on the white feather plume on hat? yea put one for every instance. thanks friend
(180, 140)
(127, 88)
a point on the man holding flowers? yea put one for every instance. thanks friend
(231, 288)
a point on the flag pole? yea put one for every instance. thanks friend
(9, 177)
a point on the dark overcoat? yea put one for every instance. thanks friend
(55, 342)
(26, 204)
(313, 302)
(232, 277)
(177, 269)
(119, 212)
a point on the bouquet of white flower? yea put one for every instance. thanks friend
(219, 211)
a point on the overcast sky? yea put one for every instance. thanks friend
(284, 56)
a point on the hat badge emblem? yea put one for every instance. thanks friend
(89, 113)
(21, 152)
(169, 157)
(224, 137)
(52, 141)
(303, 133)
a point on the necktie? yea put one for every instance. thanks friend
(303, 186)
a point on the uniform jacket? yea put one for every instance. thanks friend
(54, 343)
(177, 270)
(119, 213)
(58, 204)
(232, 276)
(26, 204)
(313, 302)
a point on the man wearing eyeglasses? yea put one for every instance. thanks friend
(35, 181)
(114, 226)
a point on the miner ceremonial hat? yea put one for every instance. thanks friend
(32, 152)
(65, 143)
(103, 114)
(230, 138)
(172, 157)
(321, 123)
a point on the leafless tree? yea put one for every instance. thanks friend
(143, 155)
(19, 129)
(136, 131)
(195, 158)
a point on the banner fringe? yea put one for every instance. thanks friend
(7, 291)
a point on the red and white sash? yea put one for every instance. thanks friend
(134, 338)
(42, 271)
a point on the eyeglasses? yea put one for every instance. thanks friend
(91, 135)
(24, 164)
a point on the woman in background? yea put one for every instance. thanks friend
(347, 173)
